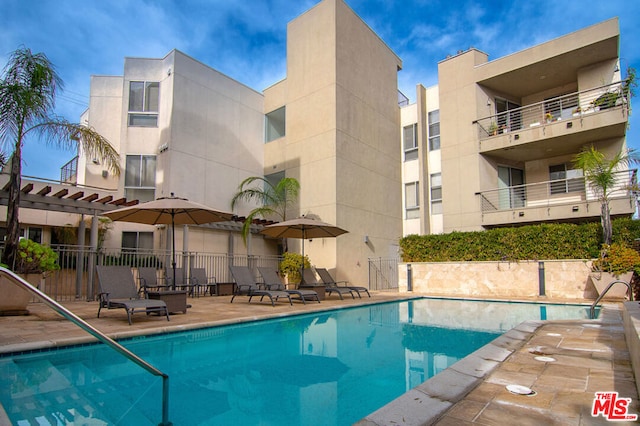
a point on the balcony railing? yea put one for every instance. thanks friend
(554, 192)
(69, 172)
(554, 109)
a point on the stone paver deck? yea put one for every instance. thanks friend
(590, 356)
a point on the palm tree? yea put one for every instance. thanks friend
(274, 200)
(27, 98)
(601, 174)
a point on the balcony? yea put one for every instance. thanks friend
(69, 172)
(556, 200)
(556, 126)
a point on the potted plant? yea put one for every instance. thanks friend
(616, 262)
(33, 262)
(549, 117)
(493, 129)
(290, 267)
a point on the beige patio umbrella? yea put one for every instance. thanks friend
(169, 211)
(302, 228)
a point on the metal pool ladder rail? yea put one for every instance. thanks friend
(17, 280)
(592, 312)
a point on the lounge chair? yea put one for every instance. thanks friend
(181, 283)
(272, 282)
(200, 281)
(148, 280)
(118, 290)
(328, 280)
(309, 278)
(246, 286)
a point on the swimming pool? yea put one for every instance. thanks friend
(329, 368)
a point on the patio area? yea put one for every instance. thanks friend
(590, 356)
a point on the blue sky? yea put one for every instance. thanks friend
(246, 39)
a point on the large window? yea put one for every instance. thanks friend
(31, 233)
(412, 200)
(565, 179)
(434, 130)
(509, 115)
(511, 187)
(436, 193)
(410, 142)
(144, 99)
(274, 124)
(140, 177)
(137, 240)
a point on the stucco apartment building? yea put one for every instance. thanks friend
(490, 145)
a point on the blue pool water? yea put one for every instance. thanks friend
(329, 368)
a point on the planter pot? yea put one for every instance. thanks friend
(14, 298)
(601, 280)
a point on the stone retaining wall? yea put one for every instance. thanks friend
(564, 279)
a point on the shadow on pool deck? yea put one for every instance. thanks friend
(590, 356)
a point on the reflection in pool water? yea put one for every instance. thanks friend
(323, 368)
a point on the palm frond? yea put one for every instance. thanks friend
(66, 135)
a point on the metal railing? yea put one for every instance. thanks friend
(64, 312)
(75, 278)
(383, 273)
(554, 192)
(69, 172)
(592, 310)
(553, 110)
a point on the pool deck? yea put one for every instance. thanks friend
(589, 356)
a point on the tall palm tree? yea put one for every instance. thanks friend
(27, 99)
(274, 200)
(601, 174)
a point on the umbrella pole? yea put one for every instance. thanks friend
(173, 249)
(303, 235)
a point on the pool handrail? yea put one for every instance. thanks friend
(592, 311)
(66, 313)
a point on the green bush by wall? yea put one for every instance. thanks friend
(532, 242)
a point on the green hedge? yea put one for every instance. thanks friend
(532, 242)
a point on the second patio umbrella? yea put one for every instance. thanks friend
(169, 211)
(302, 228)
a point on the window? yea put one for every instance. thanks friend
(412, 200)
(137, 240)
(434, 130)
(511, 189)
(436, 193)
(410, 141)
(31, 233)
(274, 124)
(564, 179)
(509, 115)
(140, 177)
(144, 99)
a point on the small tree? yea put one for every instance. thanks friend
(600, 175)
(274, 200)
(27, 98)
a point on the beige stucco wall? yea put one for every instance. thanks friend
(212, 128)
(341, 143)
(567, 279)
(469, 84)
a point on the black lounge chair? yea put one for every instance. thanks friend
(272, 282)
(148, 280)
(246, 286)
(181, 283)
(200, 281)
(118, 290)
(309, 279)
(328, 280)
